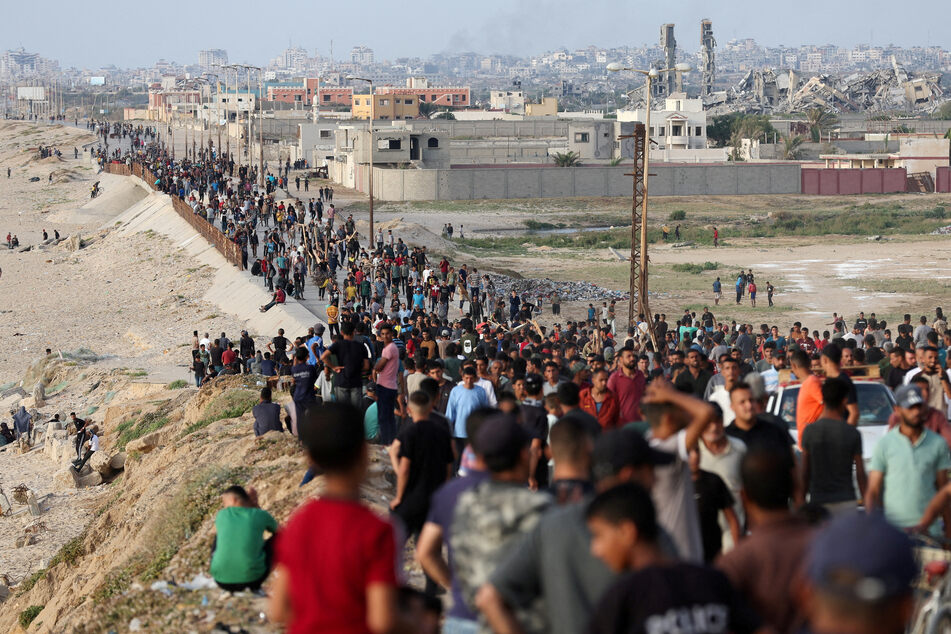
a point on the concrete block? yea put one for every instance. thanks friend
(91, 480)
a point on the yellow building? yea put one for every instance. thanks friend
(387, 107)
(547, 108)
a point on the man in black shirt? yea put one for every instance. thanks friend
(712, 498)
(905, 338)
(278, 346)
(352, 362)
(694, 380)
(748, 427)
(422, 458)
(655, 591)
(80, 425)
(830, 447)
(831, 361)
(899, 367)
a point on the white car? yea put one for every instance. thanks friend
(876, 403)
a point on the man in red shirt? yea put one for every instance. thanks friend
(336, 560)
(628, 385)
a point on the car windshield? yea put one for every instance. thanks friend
(875, 404)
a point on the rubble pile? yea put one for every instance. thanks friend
(762, 91)
(568, 291)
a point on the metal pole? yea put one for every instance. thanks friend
(372, 148)
(250, 138)
(642, 278)
(261, 127)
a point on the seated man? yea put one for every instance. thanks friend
(267, 415)
(92, 446)
(278, 298)
(240, 557)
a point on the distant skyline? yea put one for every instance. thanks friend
(98, 33)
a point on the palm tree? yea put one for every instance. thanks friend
(819, 121)
(792, 147)
(567, 159)
(615, 161)
(446, 114)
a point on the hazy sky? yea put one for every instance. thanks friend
(99, 32)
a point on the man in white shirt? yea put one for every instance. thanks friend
(92, 446)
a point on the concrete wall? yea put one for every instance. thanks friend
(231, 290)
(839, 182)
(943, 180)
(556, 182)
(532, 128)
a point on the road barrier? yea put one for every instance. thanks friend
(227, 247)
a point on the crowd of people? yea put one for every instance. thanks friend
(573, 478)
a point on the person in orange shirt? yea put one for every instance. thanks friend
(599, 401)
(809, 402)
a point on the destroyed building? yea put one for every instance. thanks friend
(764, 91)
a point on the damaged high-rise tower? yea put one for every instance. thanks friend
(672, 80)
(707, 56)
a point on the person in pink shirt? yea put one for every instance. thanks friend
(628, 385)
(386, 371)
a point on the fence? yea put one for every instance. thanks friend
(227, 247)
(838, 182)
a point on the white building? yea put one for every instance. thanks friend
(681, 125)
(210, 58)
(507, 100)
(361, 55)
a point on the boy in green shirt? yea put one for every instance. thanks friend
(240, 557)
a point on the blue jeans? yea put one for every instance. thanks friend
(455, 625)
(385, 405)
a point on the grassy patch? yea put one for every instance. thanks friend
(230, 404)
(132, 429)
(695, 269)
(136, 373)
(535, 225)
(677, 214)
(28, 615)
(177, 384)
(27, 584)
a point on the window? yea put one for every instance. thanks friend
(432, 98)
(388, 144)
(356, 102)
(581, 137)
(384, 102)
(297, 97)
(325, 134)
(326, 97)
(432, 142)
(699, 131)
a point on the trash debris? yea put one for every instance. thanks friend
(200, 582)
(568, 291)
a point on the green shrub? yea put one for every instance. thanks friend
(678, 214)
(696, 269)
(177, 384)
(27, 615)
(131, 429)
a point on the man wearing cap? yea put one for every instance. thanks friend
(858, 578)
(910, 463)
(315, 344)
(491, 517)
(554, 561)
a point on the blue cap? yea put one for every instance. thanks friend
(863, 558)
(908, 396)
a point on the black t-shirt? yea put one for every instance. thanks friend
(535, 422)
(895, 377)
(589, 422)
(831, 446)
(660, 330)
(874, 355)
(351, 355)
(428, 447)
(763, 433)
(861, 324)
(679, 597)
(696, 386)
(280, 344)
(712, 497)
(305, 375)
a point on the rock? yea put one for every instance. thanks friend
(66, 477)
(39, 394)
(135, 625)
(74, 243)
(101, 463)
(144, 444)
(4, 591)
(874, 238)
(118, 461)
(25, 540)
(91, 480)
